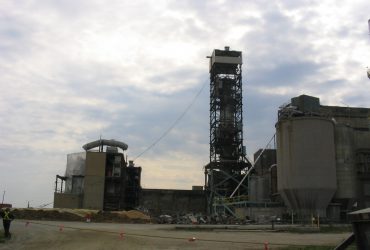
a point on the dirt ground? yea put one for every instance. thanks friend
(88, 236)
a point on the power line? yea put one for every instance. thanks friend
(173, 124)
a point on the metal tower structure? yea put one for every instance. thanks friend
(228, 163)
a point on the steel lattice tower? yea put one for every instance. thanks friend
(227, 154)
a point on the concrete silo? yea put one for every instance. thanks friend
(306, 163)
(345, 157)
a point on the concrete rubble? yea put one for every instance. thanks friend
(196, 219)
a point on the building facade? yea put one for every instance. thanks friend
(323, 157)
(99, 179)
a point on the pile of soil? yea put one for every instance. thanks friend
(121, 216)
(45, 214)
(55, 214)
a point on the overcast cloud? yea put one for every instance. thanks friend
(126, 70)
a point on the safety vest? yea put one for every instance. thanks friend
(6, 215)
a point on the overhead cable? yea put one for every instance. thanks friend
(174, 123)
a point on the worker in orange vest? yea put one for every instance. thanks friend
(7, 219)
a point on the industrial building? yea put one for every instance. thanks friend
(318, 164)
(99, 179)
(263, 179)
(323, 157)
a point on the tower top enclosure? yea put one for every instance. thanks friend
(226, 56)
(226, 115)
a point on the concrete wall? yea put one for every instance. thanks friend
(345, 162)
(94, 180)
(266, 160)
(95, 163)
(259, 214)
(170, 201)
(333, 212)
(259, 188)
(352, 150)
(362, 139)
(66, 200)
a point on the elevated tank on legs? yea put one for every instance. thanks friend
(306, 164)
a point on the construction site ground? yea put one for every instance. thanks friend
(35, 234)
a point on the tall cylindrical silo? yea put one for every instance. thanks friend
(306, 164)
(345, 158)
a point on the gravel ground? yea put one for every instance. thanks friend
(90, 236)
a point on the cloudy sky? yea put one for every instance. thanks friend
(74, 70)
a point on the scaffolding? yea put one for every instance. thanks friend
(228, 163)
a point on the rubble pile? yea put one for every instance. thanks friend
(196, 219)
